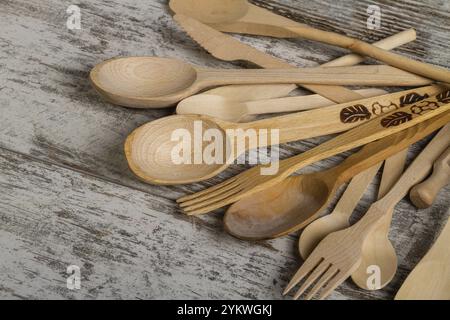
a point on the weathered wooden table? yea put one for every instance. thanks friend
(68, 198)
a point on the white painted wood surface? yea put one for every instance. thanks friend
(67, 196)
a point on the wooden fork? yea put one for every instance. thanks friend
(340, 253)
(252, 181)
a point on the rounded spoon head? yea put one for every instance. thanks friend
(214, 106)
(166, 151)
(271, 213)
(143, 82)
(211, 11)
(318, 230)
(377, 249)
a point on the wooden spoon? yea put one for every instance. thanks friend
(339, 218)
(149, 148)
(234, 111)
(151, 82)
(423, 195)
(294, 203)
(378, 249)
(240, 16)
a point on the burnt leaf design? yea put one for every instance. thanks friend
(411, 98)
(396, 119)
(355, 113)
(444, 97)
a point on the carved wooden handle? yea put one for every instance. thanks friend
(423, 195)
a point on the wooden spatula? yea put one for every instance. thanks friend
(430, 279)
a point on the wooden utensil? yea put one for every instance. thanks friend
(339, 218)
(430, 279)
(423, 195)
(242, 17)
(228, 110)
(251, 181)
(340, 253)
(251, 92)
(227, 48)
(378, 249)
(160, 82)
(149, 148)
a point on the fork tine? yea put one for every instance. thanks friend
(317, 273)
(327, 276)
(213, 199)
(209, 195)
(333, 283)
(215, 205)
(210, 189)
(309, 265)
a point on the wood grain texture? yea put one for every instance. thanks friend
(61, 144)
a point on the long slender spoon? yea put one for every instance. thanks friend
(234, 111)
(339, 218)
(423, 195)
(150, 148)
(240, 16)
(378, 250)
(225, 47)
(340, 253)
(430, 279)
(161, 82)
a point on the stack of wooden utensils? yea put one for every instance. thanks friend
(269, 206)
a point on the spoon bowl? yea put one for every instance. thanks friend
(166, 151)
(280, 210)
(143, 81)
(211, 11)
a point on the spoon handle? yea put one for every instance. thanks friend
(337, 118)
(301, 103)
(373, 75)
(376, 129)
(423, 195)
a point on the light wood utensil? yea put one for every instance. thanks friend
(251, 92)
(242, 17)
(251, 181)
(378, 249)
(149, 148)
(423, 195)
(430, 279)
(234, 111)
(339, 218)
(160, 82)
(340, 253)
(227, 48)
